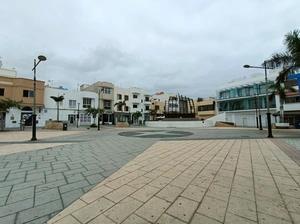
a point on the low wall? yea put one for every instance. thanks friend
(178, 124)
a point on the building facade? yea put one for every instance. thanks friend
(205, 108)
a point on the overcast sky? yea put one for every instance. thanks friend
(189, 47)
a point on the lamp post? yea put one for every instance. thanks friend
(78, 115)
(256, 111)
(41, 58)
(100, 90)
(267, 95)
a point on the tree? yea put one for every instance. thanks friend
(281, 90)
(5, 105)
(153, 114)
(137, 115)
(120, 105)
(290, 60)
(57, 99)
(94, 112)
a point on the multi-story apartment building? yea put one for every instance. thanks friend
(136, 99)
(242, 100)
(20, 89)
(205, 108)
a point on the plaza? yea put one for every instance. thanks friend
(149, 175)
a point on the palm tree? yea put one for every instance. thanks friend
(120, 105)
(152, 113)
(57, 99)
(137, 115)
(92, 111)
(281, 90)
(5, 105)
(290, 60)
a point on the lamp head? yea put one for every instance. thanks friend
(246, 66)
(42, 58)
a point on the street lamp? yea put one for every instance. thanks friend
(267, 95)
(41, 58)
(78, 114)
(100, 90)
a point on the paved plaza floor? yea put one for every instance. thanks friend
(145, 175)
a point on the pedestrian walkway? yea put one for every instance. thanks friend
(201, 181)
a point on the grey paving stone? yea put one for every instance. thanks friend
(35, 176)
(71, 196)
(73, 186)
(95, 179)
(11, 182)
(54, 177)
(28, 184)
(4, 191)
(66, 173)
(16, 207)
(39, 211)
(18, 175)
(46, 196)
(91, 172)
(3, 201)
(10, 219)
(74, 178)
(50, 185)
(20, 195)
(108, 173)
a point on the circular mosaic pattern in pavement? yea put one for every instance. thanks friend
(156, 134)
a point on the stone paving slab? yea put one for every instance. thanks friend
(199, 181)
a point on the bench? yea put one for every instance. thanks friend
(282, 125)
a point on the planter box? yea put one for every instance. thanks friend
(55, 125)
(122, 124)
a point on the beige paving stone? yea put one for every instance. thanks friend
(226, 173)
(68, 220)
(145, 193)
(117, 175)
(281, 173)
(172, 173)
(197, 167)
(123, 209)
(234, 219)
(134, 219)
(244, 166)
(208, 173)
(260, 167)
(120, 193)
(219, 192)
(242, 207)
(160, 182)
(244, 192)
(264, 181)
(190, 173)
(153, 174)
(272, 207)
(70, 209)
(262, 173)
(267, 191)
(131, 168)
(202, 181)
(140, 182)
(289, 190)
(227, 166)
(92, 210)
(115, 184)
(200, 219)
(267, 219)
(181, 181)
(153, 209)
(223, 181)
(183, 209)
(213, 208)
(292, 204)
(165, 218)
(285, 181)
(164, 167)
(297, 179)
(295, 171)
(101, 219)
(213, 167)
(244, 173)
(187, 162)
(170, 193)
(194, 193)
(295, 217)
(180, 167)
(135, 174)
(96, 193)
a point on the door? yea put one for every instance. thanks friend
(244, 121)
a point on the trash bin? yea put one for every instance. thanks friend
(297, 125)
(65, 126)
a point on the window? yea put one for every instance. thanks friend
(126, 108)
(206, 108)
(87, 102)
(85, 118)
(146, 107)
(1, 92)
(107, 105)
(142, 101)
(135, 96)
(119, 108)
(147, 99)
(119, 97)
(126, 97)
(134, 106)
(141, 110)
(28, 93)
(225, 94)
(107, 90)
(72, 103)
(156, 107)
